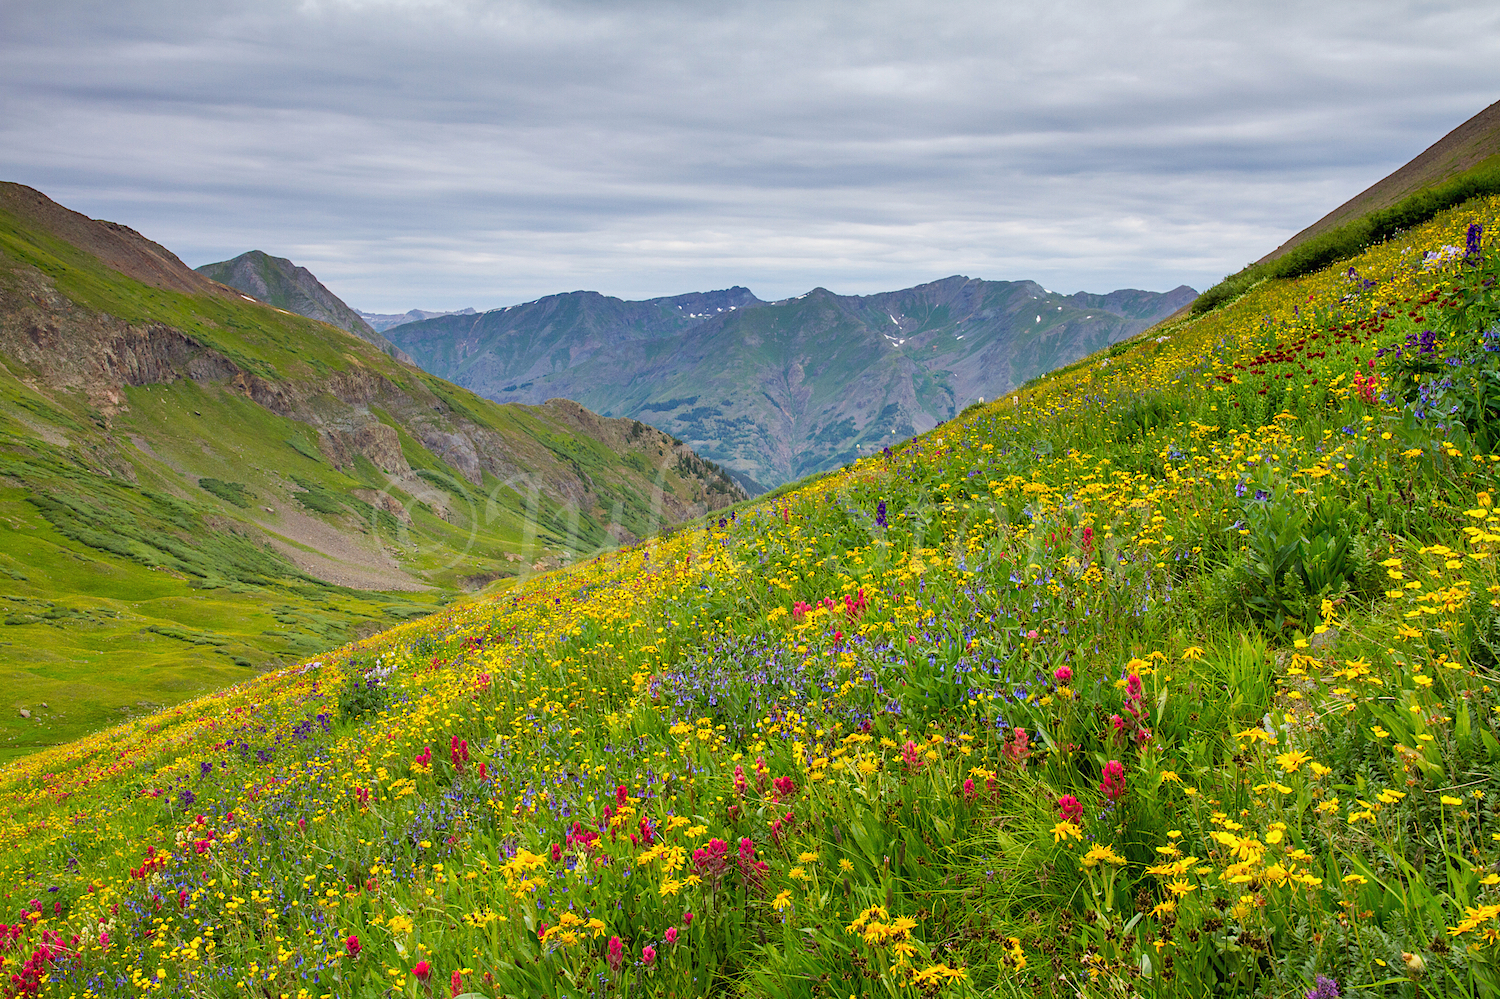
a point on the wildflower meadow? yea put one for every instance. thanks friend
(1175, 673)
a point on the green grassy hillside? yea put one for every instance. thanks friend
(1176, 673)
(195, 487)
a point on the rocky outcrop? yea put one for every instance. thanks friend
(382, 500)
(77, 350)
(457, 451)
(370, 438)
(713, 488)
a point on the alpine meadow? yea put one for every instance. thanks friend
(1175, 672)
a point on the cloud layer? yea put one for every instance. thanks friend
(446, 153)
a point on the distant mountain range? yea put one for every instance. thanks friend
(384, 321)
(774, 391)
(771, 391)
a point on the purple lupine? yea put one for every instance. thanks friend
(880, 520)
(1473, 241)
(1325, 988)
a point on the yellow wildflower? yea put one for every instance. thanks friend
(1100, 853)
(1063, 830)
(1291, 760)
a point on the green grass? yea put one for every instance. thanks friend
(233, 493)
(102, 661)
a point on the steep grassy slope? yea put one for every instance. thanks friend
(1464, 164)
(268, 485)
(775, 391)
(1174, 674)
(1473, 147)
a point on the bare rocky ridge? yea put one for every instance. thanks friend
(78, 350)
(121, 247)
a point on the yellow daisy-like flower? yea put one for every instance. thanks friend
(937, 975)
(1102, 854)
(1292, 760)
(1063, 830)
(904, 951)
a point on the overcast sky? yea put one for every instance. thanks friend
(442, 153)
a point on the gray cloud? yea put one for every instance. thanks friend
(448, 153)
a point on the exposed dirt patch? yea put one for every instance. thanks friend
(365, 629)
(480, 580)
(344, 559)
(45, 431)
(356, 577)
